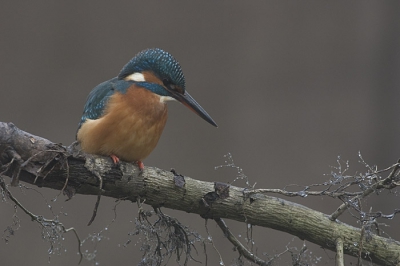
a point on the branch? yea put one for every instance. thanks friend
(44, 165)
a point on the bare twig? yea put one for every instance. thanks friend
(41, 220)
(339, 252)
(359, 258)
(66, 180)
(15, 157)
(381, 184)
(96, 206)
(239, 246)
(212, 243)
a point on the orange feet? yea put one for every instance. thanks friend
(141, 165)
(114, 158)
(116, 161)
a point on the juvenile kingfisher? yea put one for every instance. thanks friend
(124, 117)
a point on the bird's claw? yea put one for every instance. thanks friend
(115, 159)
(140, 165)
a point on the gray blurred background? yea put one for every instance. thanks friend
(291, 84)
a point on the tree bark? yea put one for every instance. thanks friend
(42, 163)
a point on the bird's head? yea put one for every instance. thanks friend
(159, 72)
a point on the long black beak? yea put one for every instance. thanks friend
(189, 102)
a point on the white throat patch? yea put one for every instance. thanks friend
(166, 99)
(138, 77)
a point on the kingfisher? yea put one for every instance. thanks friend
(124, 117)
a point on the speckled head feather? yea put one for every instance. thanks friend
(163, 65)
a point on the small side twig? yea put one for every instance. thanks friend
(39, 219)
(212, 242)
(339, 252)
(66, 180)
(15, 157)
(381, 184)
(239, 246)
(96, 206)
(359, 261)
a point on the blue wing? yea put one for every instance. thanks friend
(99, 97)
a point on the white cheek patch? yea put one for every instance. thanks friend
(166, 99)
(138, 77)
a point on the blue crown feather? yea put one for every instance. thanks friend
(160, 62)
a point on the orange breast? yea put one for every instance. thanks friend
(130, 128)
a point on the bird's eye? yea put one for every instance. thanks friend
(171, 86)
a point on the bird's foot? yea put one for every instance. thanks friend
(140, 165)
(115, 159)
